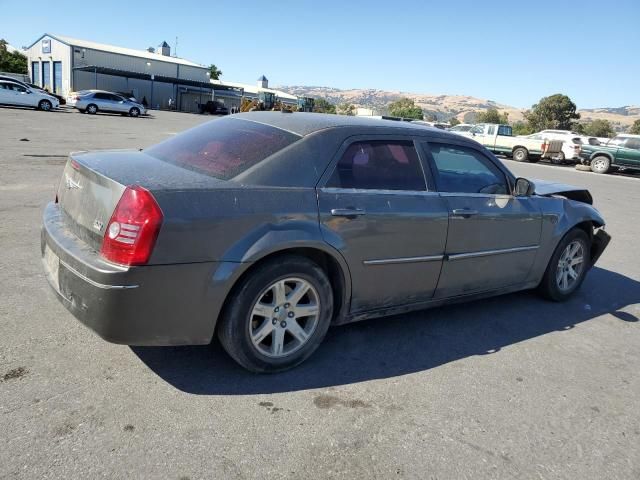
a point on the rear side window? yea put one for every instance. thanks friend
(379, 165)
(223, 148)
(464, 170)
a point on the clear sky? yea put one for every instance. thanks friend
(511, 52)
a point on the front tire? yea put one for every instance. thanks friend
(568, 266)
(278, 315)
(600, 164)
(134, 112)
(45, 105)
(521, 154)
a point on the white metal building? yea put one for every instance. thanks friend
(63, 64)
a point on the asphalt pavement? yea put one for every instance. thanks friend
(509, 387)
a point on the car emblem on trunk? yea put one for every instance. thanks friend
(70, 183)
(98, 225)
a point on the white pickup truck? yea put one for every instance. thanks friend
(500, 139)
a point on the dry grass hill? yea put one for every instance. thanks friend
(462, 107)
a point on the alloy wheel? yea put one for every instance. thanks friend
(570, 266)
(284, 317)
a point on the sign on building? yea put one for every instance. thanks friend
(46, 46)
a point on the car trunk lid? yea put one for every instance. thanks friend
(93, 183)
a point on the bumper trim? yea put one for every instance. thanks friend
(93, 282)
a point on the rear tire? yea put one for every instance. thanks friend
(284, 336)
(45, 105)
(600, 164)
(567, 269)
(521, 154)
(558, 159)
(92, 109)
(134, 112)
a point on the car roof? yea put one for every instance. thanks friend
(304, 123)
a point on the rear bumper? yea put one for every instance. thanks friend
(148, 305)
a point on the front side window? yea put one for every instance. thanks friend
(478, 129)
(379, 165)
(633, 143)
(465, 170)
(491, 130)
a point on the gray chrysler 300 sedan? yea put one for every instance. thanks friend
(268, 227)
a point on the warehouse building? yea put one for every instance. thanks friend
(62, 64)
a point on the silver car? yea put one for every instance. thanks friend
(94, 101)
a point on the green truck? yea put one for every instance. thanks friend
(621, 152)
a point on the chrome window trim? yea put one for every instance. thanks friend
(378, 191)
(389, 261)
(486, 253)
(93, 282)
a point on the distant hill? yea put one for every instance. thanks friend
(444, 107)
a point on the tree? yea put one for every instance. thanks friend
(12, 62)
(453, 121)
(579, 128)
(554, 112)
(522, 128)
(405, 108)
(215, 72)
(346, 109)
(599, 128)
(635, 128)
(323, 106)
(492, 115)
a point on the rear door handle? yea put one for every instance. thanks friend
(464, 212)
(347, 212)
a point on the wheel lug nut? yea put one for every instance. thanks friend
(274, 321)
(277, 309)
(283, 324)
(286, 305)
(290, 314)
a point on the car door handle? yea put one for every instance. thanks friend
(347, 212)
(464, 212)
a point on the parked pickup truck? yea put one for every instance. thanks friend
(500, 139)
(621, 152)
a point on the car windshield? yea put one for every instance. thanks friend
(223, 148)
(617, 141)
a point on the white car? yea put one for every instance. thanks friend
(14, 93)
(461, 127)
(571, 146)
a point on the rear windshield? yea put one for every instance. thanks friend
(223, 148)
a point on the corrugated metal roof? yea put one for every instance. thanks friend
(122, 50)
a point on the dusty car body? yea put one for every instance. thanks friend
(407, 221)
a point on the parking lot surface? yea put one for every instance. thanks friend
(510, 387)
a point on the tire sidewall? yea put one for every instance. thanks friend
(605, 159)
(233, 330)
(45, 102)
(549, 285)
(524, 156)
(132, 114)
(88, 109)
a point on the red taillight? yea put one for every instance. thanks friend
(132, 231)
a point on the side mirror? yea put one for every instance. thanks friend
(523, 188)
